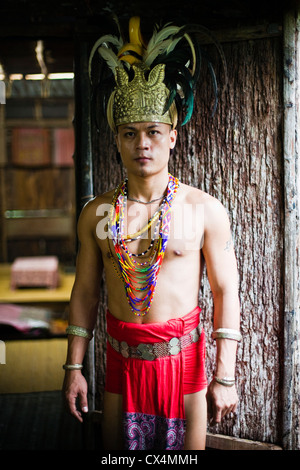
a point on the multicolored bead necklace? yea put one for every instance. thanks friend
(140, 276)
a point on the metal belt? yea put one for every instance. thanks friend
(151, 351)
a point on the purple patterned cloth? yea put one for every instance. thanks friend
(144, 432)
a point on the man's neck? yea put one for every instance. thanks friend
(147, 188)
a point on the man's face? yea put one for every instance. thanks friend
(145, 146)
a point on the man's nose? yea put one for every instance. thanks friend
(142, 141)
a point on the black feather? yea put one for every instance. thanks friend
(178, 75)
(196, 30)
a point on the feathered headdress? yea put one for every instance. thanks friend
(149, 82)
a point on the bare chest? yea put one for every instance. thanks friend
(184, 234)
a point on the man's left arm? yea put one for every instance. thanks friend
(222, 273)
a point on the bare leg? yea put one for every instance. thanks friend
(112, 432)
(196, 420)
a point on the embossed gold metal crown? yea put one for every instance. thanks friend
(141, 99)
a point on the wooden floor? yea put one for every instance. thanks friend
(37, 421)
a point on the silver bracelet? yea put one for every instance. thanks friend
(227, 333)
(72, 366)
(227, 381)
(79, 331)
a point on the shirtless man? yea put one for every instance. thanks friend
(145, 150)
(199, 232)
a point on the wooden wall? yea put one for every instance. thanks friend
(37, 180)
(236, 157)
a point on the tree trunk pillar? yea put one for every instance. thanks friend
(291, 363)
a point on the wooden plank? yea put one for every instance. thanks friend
(40, 189)
(34, 227)
(247, 32)
(244, 32)
(41, 123)
(220, 442)
(31, 147)
(291, 151)
(3, 157)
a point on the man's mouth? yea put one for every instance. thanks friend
(142, 158)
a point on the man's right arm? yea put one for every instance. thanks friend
(83, 308)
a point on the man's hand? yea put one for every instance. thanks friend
(74, 387)
(221, 400)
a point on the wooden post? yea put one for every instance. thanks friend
(291, 373)
(3, 243)
(82, 123)
(84, 189)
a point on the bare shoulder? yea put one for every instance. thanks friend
(190, 194)
(90, 208)
(215, 213)
(90, 213)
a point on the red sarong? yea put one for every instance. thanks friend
(153, 390)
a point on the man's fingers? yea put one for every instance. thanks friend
(234, 409)
(221, 402)
(72, 405)
(75, 392)
(217, 413)
(83, 404)
(217, 416)
(71, 402)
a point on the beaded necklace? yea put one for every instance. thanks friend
(140, 276)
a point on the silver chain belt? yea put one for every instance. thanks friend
(151, 351)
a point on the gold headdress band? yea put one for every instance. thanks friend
(150, 78)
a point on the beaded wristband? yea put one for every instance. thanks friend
(72, 366)
(227, 381)
(227, 333)
(79, 331)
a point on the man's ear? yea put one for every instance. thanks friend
(173, 138)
